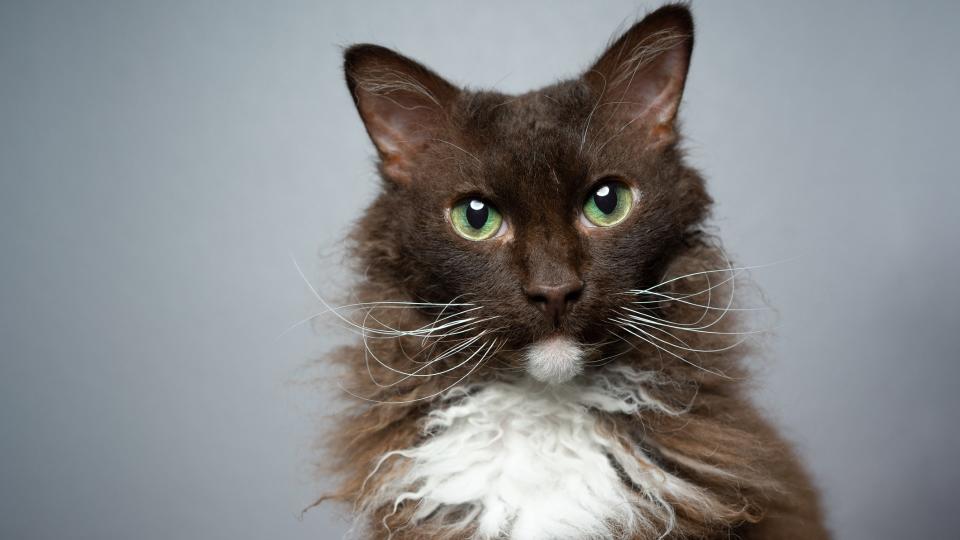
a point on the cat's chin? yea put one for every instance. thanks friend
(555, 360)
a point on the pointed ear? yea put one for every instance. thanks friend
(402, 104)
(639, 79)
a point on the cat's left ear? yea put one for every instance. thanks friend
(639, 79)
(402, 103)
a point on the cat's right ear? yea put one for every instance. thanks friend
(402, 103)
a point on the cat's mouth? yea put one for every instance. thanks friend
(555, 359)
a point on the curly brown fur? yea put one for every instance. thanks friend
(536, 157)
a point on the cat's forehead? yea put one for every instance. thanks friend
(526, 115)
(528, 139)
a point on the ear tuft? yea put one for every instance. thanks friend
(402, 104)
(639, 79)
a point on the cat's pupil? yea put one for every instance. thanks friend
(606, 199)
(477, 213)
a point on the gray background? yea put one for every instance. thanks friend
(160, 162)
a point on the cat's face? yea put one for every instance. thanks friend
(543, 209)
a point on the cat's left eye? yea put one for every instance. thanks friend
(476, 219)
(608, 204)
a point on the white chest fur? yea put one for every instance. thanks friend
(529, 461)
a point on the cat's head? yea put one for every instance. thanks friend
(540, 210)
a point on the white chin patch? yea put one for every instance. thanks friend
(554, 360)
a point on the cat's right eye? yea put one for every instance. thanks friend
(476, 219)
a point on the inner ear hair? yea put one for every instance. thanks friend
(638, 81)
(401, 102)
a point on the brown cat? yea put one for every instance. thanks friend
(550, 348)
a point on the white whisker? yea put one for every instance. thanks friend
(671, 353)
(424, 366)
(668, 299)
(387, 330)
(640, 319)
(686, 346)
(480, 361)
(702, 272)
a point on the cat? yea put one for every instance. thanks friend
(550, 347)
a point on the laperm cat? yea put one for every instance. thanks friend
(549, 341)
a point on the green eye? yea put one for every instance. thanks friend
(475, 219)
(608, 204)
